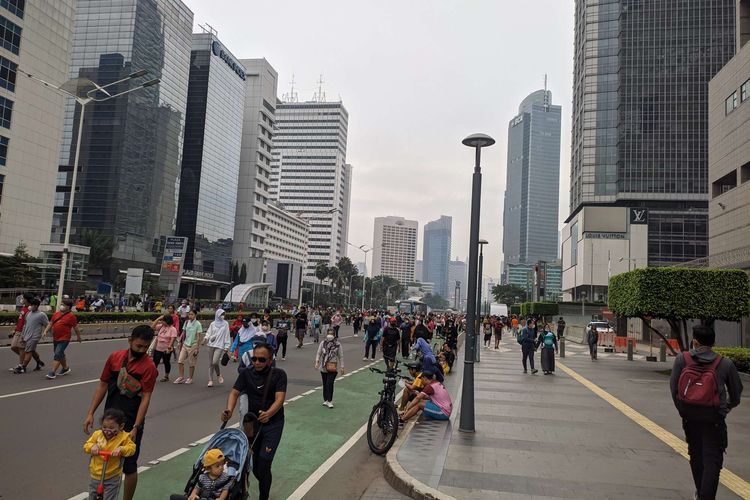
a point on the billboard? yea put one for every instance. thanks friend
(171, 265)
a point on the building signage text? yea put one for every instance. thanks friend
(218, 50)
(639, 215)
(604, 236)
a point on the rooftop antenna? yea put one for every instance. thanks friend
(207, 28)
(320, 96)
(292, 95)
(546, 93)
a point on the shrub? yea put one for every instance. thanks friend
(740, 356)
(540, 308)
(9, 318)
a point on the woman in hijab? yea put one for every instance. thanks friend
(429, 362)
(330, 361)
(242, 340)
(218, 340)
(548, 342)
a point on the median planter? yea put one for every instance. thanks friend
(739, 355)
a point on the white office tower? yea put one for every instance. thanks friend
(394, 251)
(310, 176)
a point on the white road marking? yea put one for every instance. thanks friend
(85, 342)
(295, 398)
(175, 453)
(308, 392)
(52, 388)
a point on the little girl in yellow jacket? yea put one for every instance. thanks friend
(111, 437)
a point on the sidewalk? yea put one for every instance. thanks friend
(547, 437)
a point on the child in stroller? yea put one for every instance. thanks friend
(214, 482)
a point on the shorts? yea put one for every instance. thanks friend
(188, 354)
(18, 341)
(60, 349)
(130, 464)
(30, 345)
(434, 412)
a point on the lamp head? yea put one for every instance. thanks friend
(478, 141)
(483, 242)
(138, 74)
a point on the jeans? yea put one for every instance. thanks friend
(60, 350)
(374, 345)
(592, 350)
(163, 356)
(282, 340)
(328, 380)
(706, 445)
(336, 331)
(268, 439)
(528, 353)
(214, 358)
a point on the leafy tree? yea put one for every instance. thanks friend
(680, 294)
(506, 294)
(539, 308)
(100, 246)
(235, 272)
(321, 270)
(243, 273)
(435, 301)
(15, 271)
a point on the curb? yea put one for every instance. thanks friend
(402, 481)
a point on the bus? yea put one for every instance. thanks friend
(412, 306)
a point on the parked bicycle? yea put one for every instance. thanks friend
(382, 426)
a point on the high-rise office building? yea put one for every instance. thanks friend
(131, 146)
(285, 251)
(418, 270)
(640, 135)
(37, 38)
(310, 175)
(531, 215)
(436, 253)
(458, 276)
(211, 159)
(254, 183)
(394, 248)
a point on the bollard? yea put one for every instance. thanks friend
(663, 352)
(562, 347)
(630, 349)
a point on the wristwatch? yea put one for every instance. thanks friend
(137, 427)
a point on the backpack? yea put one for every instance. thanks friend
(698, 390)
(549, 341)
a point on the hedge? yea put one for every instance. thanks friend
(540, 308)
(9, 318)
(515, 309)
(740, 356)
(681, 293)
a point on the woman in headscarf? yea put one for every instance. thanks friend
(548, 342)
(218, 340)
(330, 361)
(429, 361)
(242, 340)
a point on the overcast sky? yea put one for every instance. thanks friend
(416, 76)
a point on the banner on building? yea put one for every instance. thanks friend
(171, 265)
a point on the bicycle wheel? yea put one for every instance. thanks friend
(382, 427)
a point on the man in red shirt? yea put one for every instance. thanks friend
(128, 381)
(17, 345)
(61, 324)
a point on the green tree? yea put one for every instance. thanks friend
(243, 273)
(435, 301)
(235, 272)
(17, 270)
(677, 295)
(321, 270)
(506, 294)
(100, 246)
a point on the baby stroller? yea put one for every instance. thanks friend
(234, 444)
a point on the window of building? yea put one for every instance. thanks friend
(8, 74)
(10, 35)
(574, 244)
(724, 184)
(2, 181)
(14, 6)
(730, 103)
(6, 110)
(745, 173)
(745, 91)
(3, 149)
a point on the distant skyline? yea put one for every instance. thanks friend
(416, 78)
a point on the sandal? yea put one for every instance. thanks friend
(179, 380)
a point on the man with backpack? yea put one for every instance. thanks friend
(705, 386)
(527, 339)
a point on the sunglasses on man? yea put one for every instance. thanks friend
(258, 359)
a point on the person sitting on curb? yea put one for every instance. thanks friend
(411, 389)
(434, 400)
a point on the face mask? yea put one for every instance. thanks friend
(329, 337)
(110, 433)
(63, 308)
(137, 355)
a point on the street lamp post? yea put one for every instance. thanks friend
(482, 243)
(476, 141)
(91, 96)
(364, 274)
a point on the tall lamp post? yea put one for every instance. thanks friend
(466, 424)
(364, 275)
(97, 93)
(482, 243)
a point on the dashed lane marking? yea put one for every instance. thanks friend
(729, 479)
(3, 396)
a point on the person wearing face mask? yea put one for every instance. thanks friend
(242, 340)
(265, 389)
(330, 361)
(548, 341)
(128, 380)
(262, 336)
(218, 340)
(61, 324)
(35, 323)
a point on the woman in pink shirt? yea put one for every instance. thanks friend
(434, 400)
(336, 321)
(166, 334)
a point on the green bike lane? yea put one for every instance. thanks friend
(312, 433)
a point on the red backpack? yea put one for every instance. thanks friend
(698, 390)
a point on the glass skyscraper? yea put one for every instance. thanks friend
(211, 158)
(436, 254)
(131, 150)
(530, 215)
(640, 114)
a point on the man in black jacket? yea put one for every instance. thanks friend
(706, 438)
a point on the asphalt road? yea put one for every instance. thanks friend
(42, 436)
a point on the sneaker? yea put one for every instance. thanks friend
(51, 375)
(64, 371)
(19, 370)
(283, 359)
(401, 423)
(13, 369)
(221, 379)
(210, 383)
(39, 366)
(325, 403)
(330, 404)
(178, 380)
(189, 381)
(534, 371)
(372, 358)
(365, 358)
